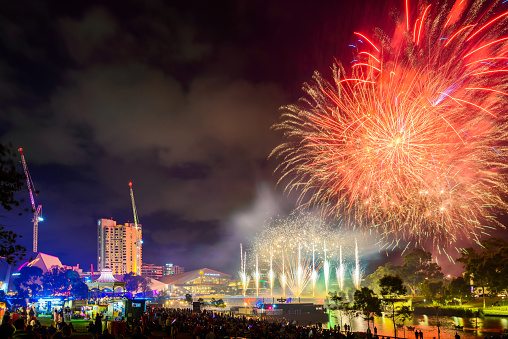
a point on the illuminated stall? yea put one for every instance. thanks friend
(90, 311)
(45, 306)
(116, 309)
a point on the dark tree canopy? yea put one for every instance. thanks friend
(135, 282)
(458, 289)
(488, 266)
(418, 268)
(392, 286)
(368, 303)
(433, 289)
(57, 281)
(372, 280)
(393, 289)
(29, 281)
(11, 181)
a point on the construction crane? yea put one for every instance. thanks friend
(137, 264)
(37, 210)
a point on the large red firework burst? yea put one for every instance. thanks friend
(411, 140)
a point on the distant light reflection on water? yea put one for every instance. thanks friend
(428, 325)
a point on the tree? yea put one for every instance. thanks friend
(338, 305)
(59, 281)
(131, 282)
(29, 281)
(392, 289)
(495, 257)
(351, 312)
(418, 267)
(11, 181)
(433, 289)
(134, 283)
(404, 313)
(77, 288)
(459, 289)
(487, 266)
(55, 281)
(144, 285)
(368, 303)
(220, 304)
(372, 280)
(336, 299)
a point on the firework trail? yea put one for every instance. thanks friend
(271, 273)
(326, 269)
(257, 276)
(298, 249)
(356, 274)
(244, 277)
(340, 272)
(410, 140)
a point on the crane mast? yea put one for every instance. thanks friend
(137, 263)
(36, 209)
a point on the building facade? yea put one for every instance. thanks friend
(171, 269)
(198, 282)
(151, 271)
(119, 247)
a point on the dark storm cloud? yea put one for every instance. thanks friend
(136, 97)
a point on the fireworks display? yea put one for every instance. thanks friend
(301, 248)
(409, 139)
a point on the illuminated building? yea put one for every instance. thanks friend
(151, 271)
(117, 247)
(199, 282)
(171, 269)
(48, 262)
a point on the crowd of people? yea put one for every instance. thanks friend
(32, 329)
(169, 322)
(212, 325)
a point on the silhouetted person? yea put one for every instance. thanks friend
(98, 323)
(6, 329)
(66, 332)
(21, 331)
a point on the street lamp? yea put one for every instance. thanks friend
(437, 317)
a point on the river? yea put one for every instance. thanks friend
(428, 325)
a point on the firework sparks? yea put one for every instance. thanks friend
(244, 277)
(298, 249)
(356, 274)
(340, 271)
(412, 143)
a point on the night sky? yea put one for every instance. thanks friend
(177, 97)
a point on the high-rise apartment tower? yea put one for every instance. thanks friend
(117, 247)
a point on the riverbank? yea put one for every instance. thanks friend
(471, 308)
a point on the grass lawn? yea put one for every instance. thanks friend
(79, 326)
(477, 303)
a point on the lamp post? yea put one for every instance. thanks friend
(437, 317)
(476, 322)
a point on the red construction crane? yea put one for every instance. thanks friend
(37, 210)
(138, 242)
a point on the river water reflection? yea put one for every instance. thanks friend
(428, 325)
